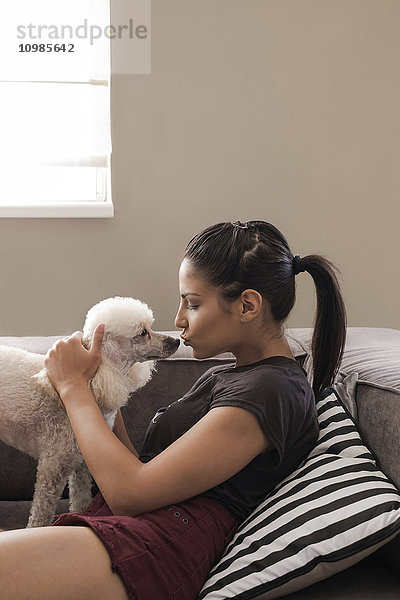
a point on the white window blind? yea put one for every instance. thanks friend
(55, 109)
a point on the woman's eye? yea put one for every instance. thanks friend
(192, 306)
(143, 333)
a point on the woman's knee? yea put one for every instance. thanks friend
(57, 562)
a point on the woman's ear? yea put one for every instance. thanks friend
(251, 302)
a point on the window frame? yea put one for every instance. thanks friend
(65, 209)
(68, 210)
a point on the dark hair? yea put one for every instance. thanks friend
(238, 256)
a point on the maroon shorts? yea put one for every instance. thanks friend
(166, 553)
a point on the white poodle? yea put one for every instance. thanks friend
(33, 419)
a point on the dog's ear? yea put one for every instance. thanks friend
(116, 348)
(43, 380)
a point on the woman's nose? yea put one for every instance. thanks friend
(180, 322)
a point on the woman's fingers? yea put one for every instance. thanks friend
(69, 361)
(78, 334)
(97, 340)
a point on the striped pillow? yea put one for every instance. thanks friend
(335, 509)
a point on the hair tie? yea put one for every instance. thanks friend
(240, 225)
(298, 265)
(249, 226)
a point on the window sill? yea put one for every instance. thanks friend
(65, 210)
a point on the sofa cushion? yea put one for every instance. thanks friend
(37, 344)
(389, 554)
(15, 515)
(374, 354)
(334, 510)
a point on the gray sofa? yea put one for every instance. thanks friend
(373, 353)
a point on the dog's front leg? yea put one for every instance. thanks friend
(50, 481)
(80, 488)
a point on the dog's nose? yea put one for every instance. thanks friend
(173, 343)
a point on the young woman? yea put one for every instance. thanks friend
(163, 519)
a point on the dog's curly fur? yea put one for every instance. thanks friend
(33, 419)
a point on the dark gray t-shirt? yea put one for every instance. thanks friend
(276, 390)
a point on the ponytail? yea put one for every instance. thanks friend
(330, 321)
(255, 255)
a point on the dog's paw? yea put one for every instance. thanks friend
(141, 373)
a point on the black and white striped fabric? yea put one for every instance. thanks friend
(334, 510)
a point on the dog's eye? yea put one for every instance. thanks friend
(143, 333)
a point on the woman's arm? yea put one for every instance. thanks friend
(219, 445)
(122, 434)
(108, 459)
(224, 441)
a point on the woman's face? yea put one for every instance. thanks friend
(206, 328)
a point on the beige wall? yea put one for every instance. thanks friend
(283, 110)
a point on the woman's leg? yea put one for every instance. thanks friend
(67, 563)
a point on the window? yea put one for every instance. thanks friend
(55, 109)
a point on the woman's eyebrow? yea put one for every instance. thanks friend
(189, 294)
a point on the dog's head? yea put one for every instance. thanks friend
(128, 337)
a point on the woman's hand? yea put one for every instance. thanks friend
(69, 364)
